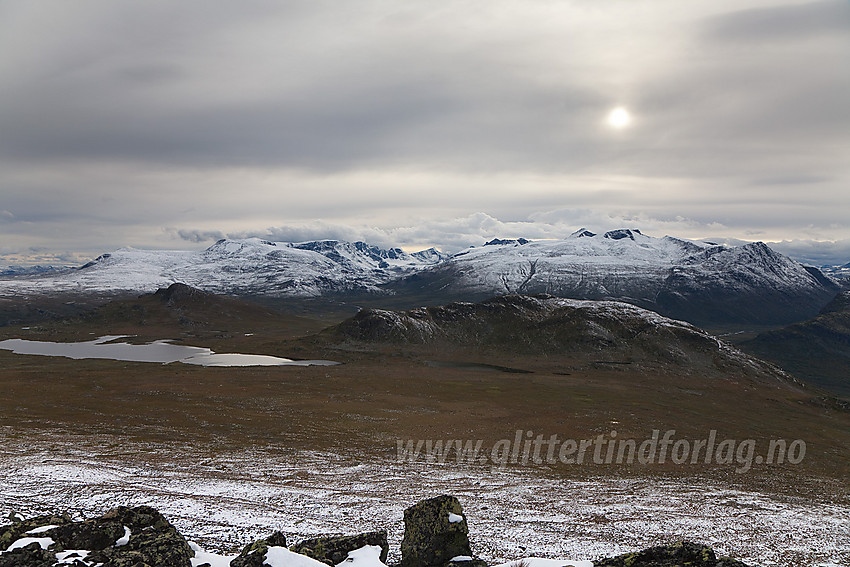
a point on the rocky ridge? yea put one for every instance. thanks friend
(546, 325)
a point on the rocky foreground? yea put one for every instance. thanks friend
(436, 535)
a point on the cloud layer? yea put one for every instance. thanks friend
(160, 123)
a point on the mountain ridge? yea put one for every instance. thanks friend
(595, 332)
(816, 350)
(696, 281)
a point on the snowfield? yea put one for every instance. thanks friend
(223, 501)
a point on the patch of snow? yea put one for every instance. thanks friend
(454, 518)
(44, 542)
(366, 556)
(69, 556)
(213, 559)
(282, 557)
(461, 558)
(41, 530)
(125, 539)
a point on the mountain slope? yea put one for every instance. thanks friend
(817, 350)
(697, 282)
(589, 331)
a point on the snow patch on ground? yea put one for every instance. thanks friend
(227, 500)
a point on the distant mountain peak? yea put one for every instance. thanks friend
(506, 242)
(582, 233)
(622, 233)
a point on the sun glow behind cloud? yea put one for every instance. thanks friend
(619, 118)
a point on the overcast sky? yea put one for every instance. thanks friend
(163, 124)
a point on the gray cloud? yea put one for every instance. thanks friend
(784, 22)
(456, 234)
(816, 253)
(198, 236)
(119, 120)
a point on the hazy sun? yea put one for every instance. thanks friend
(619, 118)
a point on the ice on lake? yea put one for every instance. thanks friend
(158, 351)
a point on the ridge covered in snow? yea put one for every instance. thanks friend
(684, 279)
(695, 281)
(248, 266)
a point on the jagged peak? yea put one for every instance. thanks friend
(582, 233)
(508, 241)
(234, 245)
(621, 233)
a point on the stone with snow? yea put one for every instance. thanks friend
(681, 553)
(431, 538)
(31, 555)
(334, 550)
(366, 556)
(15, 531)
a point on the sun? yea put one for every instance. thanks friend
(619, 118)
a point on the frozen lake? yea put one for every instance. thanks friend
(162, 352)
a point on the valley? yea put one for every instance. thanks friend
(231, 451)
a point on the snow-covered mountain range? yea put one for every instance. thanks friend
(691, 280)
(696, 281)
(240, 267)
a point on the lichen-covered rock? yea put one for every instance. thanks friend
(435, 531)
(678, 554)
(94, 534)
(254, 554)
(333, 550)
(11, 533)
(152, 540)
(31, 555)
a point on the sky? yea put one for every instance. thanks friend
(162, 124)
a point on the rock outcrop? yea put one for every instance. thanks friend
(123, 537)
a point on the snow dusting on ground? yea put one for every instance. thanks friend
(227, 500)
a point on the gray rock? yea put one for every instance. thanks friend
(153, 542)
(30, 556)
(254, 554)
(333, 550)
(9, 534)
(430, 538)
(682, 553)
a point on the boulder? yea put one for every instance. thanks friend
(11, 533)
(333, 550)
(682, 553)
(435, 532)
(254, 554)
(152, 540)
(93, 535)
(31, 555)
